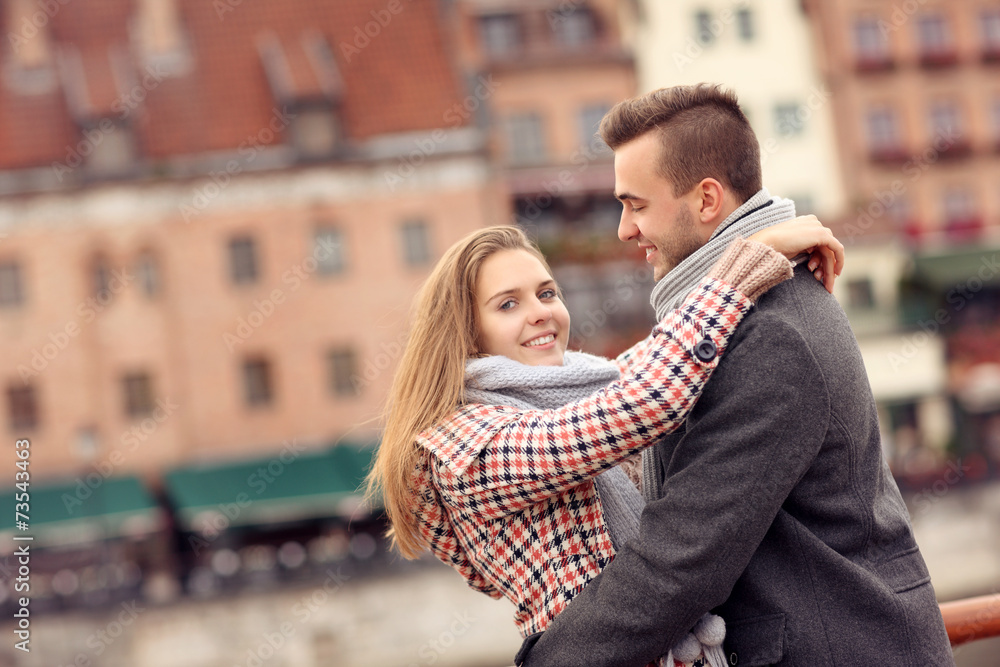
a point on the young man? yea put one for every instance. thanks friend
(772, 506)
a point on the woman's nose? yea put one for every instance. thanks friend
(540, 313)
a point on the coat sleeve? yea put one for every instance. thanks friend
(495, 464)
(759, 426)
(633, 356)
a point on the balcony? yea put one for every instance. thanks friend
(867, 63)
(889, 155)
(956, 150)
(990, 54)
(938, 58)
(964, 230)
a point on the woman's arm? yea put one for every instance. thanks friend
(798, 236)
(495, 461)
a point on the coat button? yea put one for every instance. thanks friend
(733, 659)
(705, 350)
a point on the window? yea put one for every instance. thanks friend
(959, 206)
(703, 27)
(100, 277)
(883, 130)
(112, 148)
(860, 294)
(314, 131)
(525, 139)
(257, 388)
(871, 46)
(500, 34)
(22, 407)
(961, 219)
(416, 246)
(900, 210)
(242, 260)
(11, 290)
(138, 392)
(87, 444)
(328, 249)
(944, 118)
(148, 274)
(744, 20)
(989, 22)
(934, 39)
(574, 29)
(343, 372)
(788, 121)
(590, 121)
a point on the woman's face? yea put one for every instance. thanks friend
(521, 315)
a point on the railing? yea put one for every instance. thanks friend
(971, 619)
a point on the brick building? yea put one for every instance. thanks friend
(214, 217)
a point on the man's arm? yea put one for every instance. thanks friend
(754, 433)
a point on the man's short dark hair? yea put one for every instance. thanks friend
(703, 131)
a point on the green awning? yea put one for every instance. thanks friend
(85, 510)
(290, 485)
(958, 267)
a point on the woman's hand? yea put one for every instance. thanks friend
(807, 234)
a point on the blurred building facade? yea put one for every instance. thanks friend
(764, 52)
(916, 98)
(558, 67)
(215, 217)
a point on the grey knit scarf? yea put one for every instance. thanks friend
(757, 213)
(498, 380)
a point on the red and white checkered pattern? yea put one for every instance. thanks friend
(507, 496)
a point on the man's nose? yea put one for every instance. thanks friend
(627, 230)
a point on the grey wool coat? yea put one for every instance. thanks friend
(778, 513)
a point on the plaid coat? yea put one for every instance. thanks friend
(507, 496)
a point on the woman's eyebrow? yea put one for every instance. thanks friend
(512, 290)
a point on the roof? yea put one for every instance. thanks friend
(389, 71)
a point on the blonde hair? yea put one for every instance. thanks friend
(430, 380)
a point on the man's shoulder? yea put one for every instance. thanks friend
(804, 305)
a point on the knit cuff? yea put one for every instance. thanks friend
(751, 267)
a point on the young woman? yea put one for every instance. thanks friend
(501, 449)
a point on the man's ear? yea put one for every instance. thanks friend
(710, 194)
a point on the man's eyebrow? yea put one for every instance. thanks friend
(622, 196)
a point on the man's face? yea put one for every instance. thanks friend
(663, 225)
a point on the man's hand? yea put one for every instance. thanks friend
(807, 234)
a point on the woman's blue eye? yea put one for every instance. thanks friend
(548, 294)
(507, 305)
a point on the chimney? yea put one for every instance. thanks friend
(28, 32)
